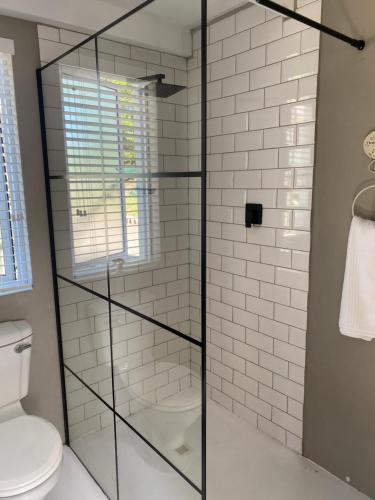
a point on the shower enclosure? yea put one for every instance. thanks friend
(124, 133)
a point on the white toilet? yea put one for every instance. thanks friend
(30, 447)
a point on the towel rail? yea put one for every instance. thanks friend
(270, 4)
(367, 188)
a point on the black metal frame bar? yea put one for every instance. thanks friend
(154, 175)
(269, 4)
(113, 385)
(200, 174)
(131, 310)
(203, 243)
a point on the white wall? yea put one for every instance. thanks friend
(262, 96)
(36, 306)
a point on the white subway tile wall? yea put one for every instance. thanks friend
(262, 107)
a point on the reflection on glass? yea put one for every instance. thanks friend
(157, 390)
(86, 338)
(167, 286)
(92, 434)
(143, 474)
(110, 134)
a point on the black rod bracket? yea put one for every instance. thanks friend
(270, 4)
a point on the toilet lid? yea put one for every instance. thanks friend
(30, 451)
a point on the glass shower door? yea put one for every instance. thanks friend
(125, 163)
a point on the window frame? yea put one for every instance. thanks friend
(17, 275)
(5, 232)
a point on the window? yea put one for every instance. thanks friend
(110, 132)
(15, 267)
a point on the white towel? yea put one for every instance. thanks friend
(357, 316)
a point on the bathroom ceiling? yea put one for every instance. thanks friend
(164, 24)
(184, 14)
(159, 25)
(91, 15)
(187, 14)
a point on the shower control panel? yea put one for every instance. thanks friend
(253, 214)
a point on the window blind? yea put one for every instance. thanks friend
(111, 147)
(15, 266)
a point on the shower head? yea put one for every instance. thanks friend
(163, 90)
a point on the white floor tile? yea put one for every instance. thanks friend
(243, 464)
(75, 483)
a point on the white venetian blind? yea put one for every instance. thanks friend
(110, 132)
(15, 267)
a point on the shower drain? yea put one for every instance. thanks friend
(182, 450)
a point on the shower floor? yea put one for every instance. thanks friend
(243, 464)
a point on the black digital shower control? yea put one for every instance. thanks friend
(253, 214)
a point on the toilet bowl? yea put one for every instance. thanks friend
(30, 447)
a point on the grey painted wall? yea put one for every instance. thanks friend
(37, 306)
(339, 416)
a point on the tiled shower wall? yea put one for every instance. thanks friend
(158, 364)
(262, 99)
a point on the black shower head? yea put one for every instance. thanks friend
(163, 90)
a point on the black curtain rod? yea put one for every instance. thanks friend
(359, 44)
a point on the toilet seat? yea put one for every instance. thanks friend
(30, 452)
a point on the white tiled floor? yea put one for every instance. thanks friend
(75, 483)
(243, 464)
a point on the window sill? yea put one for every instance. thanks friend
(12, 291)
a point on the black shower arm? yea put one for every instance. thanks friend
(153, 78)
(359, 44)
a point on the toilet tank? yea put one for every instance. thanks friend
(15, 353)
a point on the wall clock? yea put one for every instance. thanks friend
(369, 145)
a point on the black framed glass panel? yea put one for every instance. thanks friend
(124, 148)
